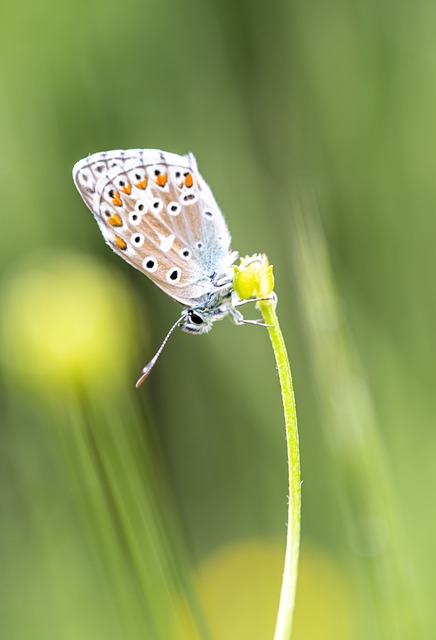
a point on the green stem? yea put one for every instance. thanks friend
(287, 595)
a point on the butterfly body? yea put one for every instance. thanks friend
(155, 210)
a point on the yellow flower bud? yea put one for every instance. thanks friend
(254, 277)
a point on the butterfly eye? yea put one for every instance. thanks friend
(137, 239)
(195, 318)
(150, 264)
(174, 209)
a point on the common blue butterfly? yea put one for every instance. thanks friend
(155, 211)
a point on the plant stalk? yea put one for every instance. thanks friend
(285, 613)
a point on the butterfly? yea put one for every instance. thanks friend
(155, 211)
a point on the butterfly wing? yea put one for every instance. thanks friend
(155, 210)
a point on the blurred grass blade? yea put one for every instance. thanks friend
(369, 499)
(123, 546)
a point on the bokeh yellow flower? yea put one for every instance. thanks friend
(239, 589)
(66, 319)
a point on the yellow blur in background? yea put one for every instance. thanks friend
(313, 123)
(67, 319)
(239, 587)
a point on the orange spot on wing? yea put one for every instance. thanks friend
(120, 243)
(116, 200)
(141, 184)
(188, 180)
(162, 179)
(127, 189)
(115, 220)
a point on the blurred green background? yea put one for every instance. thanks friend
(160, 513)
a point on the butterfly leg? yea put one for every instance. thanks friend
(238, 318)
(237, 302)
(237, 315)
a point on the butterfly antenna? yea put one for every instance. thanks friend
(148, 367)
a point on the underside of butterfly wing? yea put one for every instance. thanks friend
(155, 210)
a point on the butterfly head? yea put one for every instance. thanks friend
(200, 320)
